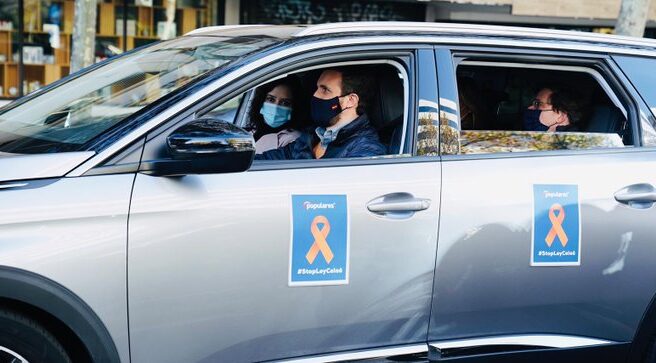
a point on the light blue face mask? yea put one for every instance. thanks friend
(274, 115)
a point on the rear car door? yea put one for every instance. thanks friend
(543, 248)
(216, 273)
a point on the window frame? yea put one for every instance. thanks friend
(601, 63)
(403, 54)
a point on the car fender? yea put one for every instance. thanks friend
(55, 299)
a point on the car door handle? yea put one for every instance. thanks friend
(636, 197)
(398, 205)
(411, 205)
(639, 196)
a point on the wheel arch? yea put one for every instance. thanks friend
(33, 293)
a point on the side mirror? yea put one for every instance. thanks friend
(206, 146)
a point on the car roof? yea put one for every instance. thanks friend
(285, 32)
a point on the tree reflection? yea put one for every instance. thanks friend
(477, 142)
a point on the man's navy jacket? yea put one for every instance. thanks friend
(357, 139)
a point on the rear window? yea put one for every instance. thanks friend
(512, 107)
(640, 71)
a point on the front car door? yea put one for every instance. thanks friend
(216, 272)
(543, 249)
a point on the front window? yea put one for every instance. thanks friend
(69, 116)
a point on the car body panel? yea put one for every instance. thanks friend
(484, 282)
(39, 166)
(209, 264)
(74, 231)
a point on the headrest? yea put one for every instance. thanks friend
(387, 103)
(605, 118)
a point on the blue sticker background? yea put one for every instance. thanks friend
(306, 211)
(547, 197)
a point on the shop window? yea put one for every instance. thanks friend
(47, 34)
(8, 68)
(328, 11)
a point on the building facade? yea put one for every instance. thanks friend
(36, 36)
(583, 15)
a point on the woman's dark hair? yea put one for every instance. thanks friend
(256, 121)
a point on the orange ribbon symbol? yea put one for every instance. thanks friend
(320, 243)
(556, 225)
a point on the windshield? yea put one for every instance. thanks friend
(71, 114)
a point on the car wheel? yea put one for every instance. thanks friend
(23, 340)
(650, 357)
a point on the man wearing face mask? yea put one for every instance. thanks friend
(552, 110)
(340, 129)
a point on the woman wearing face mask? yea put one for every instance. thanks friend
(273, 114)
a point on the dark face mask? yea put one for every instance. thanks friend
(323, 111)
(532, 121)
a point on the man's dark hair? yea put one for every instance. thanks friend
(357, 80)
(563, 100)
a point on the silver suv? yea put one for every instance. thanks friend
(508, 218)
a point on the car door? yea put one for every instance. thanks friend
(217, 270)
(543, 248)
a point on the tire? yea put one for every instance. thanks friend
(23, 336)
(650, 356)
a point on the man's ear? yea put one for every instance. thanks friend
(354, 100)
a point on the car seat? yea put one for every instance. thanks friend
(386, 109)
(606, 119)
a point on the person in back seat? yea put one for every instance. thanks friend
(341, 127)
(552, 109)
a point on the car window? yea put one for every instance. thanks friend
(520, 108)
(640, 71)
(279, 112)
(69, 115)
(227, 111)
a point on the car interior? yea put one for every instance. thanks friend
(385, 107)
(497, 95)
(503, 93)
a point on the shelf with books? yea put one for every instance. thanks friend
(5, 45)
(48, 27)
(9, 77)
